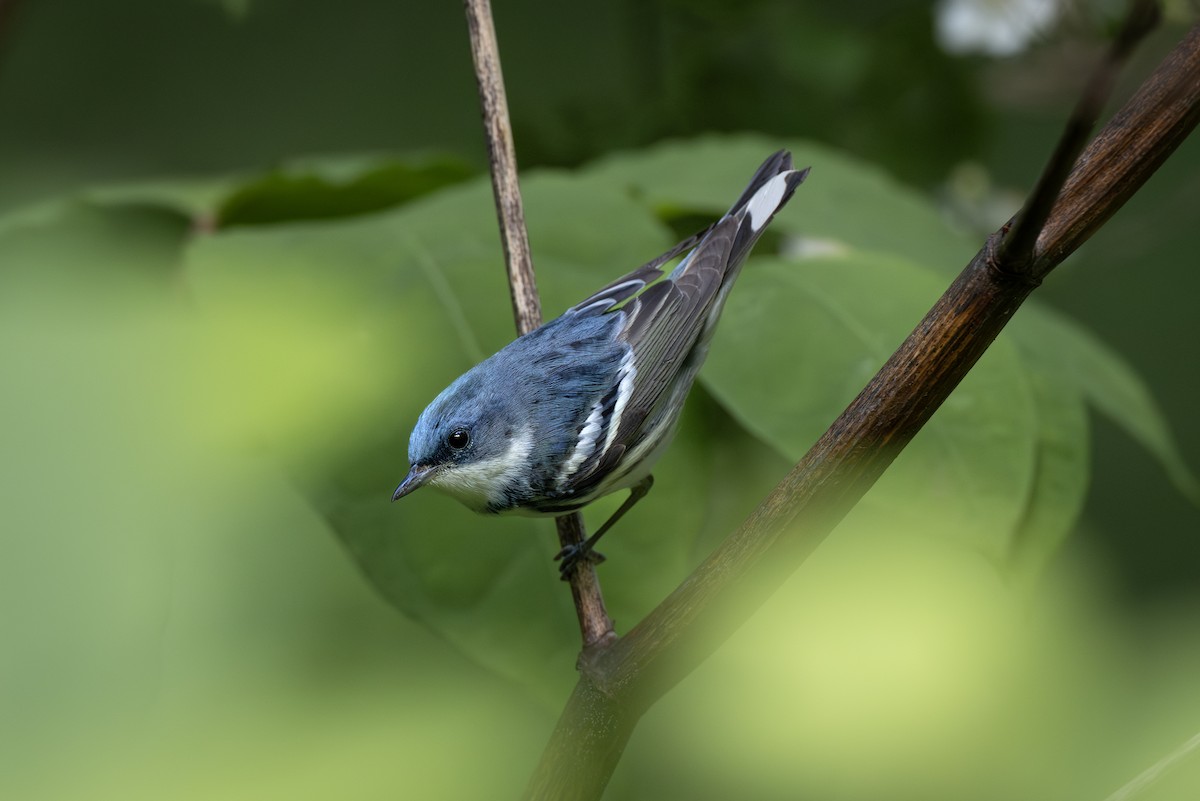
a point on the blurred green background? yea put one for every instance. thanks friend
(242, 243)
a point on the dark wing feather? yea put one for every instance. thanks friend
(662, 325)
(662, 335)
(629, 285)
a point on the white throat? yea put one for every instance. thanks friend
(482, 483)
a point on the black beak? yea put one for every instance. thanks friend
(418, 476)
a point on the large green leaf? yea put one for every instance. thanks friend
(318, 188)
(1060, 476)
(801, 337)
(85, 467)
(845, 203)
(310, 188)
(1107, 382)
(195, 198)
(69, 248)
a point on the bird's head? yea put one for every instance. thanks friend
(471, 443)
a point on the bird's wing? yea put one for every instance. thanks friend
(663, 323)
(629, 285)
(661, 327)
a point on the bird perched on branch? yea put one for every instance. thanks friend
(585, 405)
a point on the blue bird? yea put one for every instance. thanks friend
(585, 405)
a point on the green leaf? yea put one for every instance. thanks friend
(799, 340)
(1061, 473)
(1107, 382)
(845, 203)
(318, 188)
(111, 249)
(195, 198)
(302, 189)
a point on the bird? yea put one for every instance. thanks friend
(584, 405)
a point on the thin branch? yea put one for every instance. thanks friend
(620, 681)
(1017, 248)
(502, 159)
(1130, 148)
(595, 627)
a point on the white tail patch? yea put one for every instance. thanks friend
(767, 199)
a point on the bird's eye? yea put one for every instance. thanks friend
(459, 438)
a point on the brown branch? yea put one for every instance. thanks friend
(502, 159)
(1134, 144)
(621, 680)
(1017, 247)
(595, 627)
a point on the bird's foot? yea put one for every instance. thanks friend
(569, 558)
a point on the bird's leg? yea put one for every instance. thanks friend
(572, 555)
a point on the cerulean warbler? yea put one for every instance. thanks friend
(586, 404)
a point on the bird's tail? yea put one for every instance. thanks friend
(768, 192)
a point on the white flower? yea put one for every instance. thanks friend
(993, 27)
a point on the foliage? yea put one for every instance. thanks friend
(208, 383)
(295, 339)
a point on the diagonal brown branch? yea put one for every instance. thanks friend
(1126, 152)
(620, 681)
(1017, 247)
(595, 626)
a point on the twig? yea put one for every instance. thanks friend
(595, 627)
(1017, 248)
(620, 681)
(1129, 149)
(502, 159)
